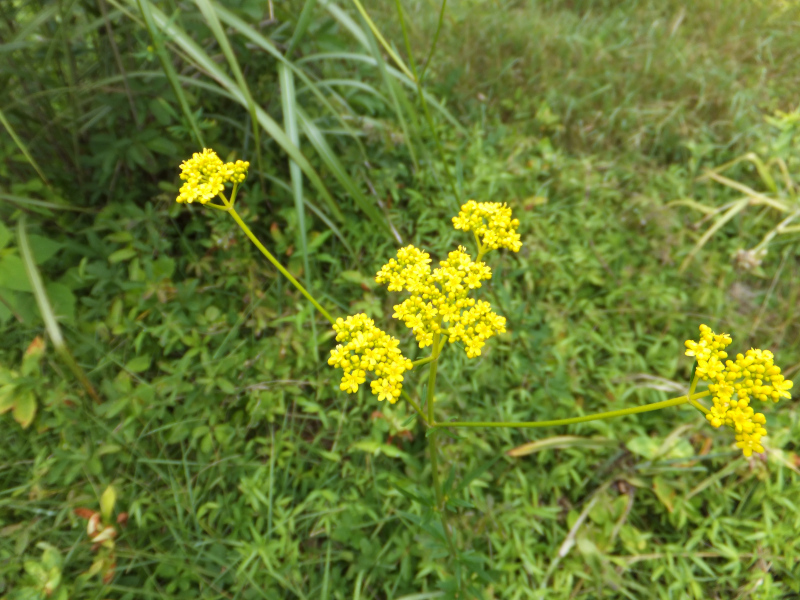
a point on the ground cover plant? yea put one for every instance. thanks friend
(237, 467)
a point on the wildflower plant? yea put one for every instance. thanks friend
(441, 307)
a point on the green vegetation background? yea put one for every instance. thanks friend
(244, 472)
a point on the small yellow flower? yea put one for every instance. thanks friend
(206, 175)
(734, 382)
(492, 224)
(439, 301)
(367, 348)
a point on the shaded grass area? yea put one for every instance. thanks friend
(245, 473)
(637, 77)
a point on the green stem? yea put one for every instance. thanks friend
(414, 405)
(422, 361)
(278, 265)
(692, 401)
(435, 39)
(432, 377)
(595, 417)
(432, 446)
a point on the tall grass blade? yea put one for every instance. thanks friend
(46, 310)
(289, 102)
(332, 162)
(732, 212)
(302, 26)
(389, 50)
(212, 20)
(431, 125)
(31, 202)
(203, 61)
(393, 93)
(22, 147)
(356, 56)
(169, 70)
(259, 40)
(320, 215)
(433, 44)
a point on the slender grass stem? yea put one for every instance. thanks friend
(435, 40)
(425, 110)
(584, 419)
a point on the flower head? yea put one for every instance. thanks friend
(734, 383)
(439, 301)
(364, 348)
(206, 175)
(492, 224)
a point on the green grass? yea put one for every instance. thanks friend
(244, 472)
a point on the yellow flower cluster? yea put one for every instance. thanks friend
(752, 375)
(439, 301)
(365, 348)
(206, 175)
(492, 224)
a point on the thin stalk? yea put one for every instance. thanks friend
(432, 377)
(435, 39)
(415, 406)
(595, 417)
(433, 449)
(422, 361)
(424, 103)
(692, 401)
(278, 265)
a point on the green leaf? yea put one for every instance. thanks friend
(24, 408)
(138, 364)
(644, 446)
(6, 398)
(5, 235)
(13, 275)
(107, 501)
(43, 248)
(121, 255)
(63, 300)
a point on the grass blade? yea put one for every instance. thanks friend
(329, 158)
(203, 61)
(357, 56)
(212, 20)
(23, 201)
(389, 50)
(259, 40)
(169, 70)
(390, 85)
(289, 102)
(22, 147)
(302, 25)
(46, 309)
